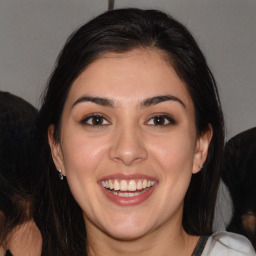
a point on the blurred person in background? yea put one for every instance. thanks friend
(240, 177)
(19, 235)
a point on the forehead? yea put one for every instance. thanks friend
(133, 75)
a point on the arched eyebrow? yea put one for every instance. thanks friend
(97, 100)
(159, 99)
(106, 102)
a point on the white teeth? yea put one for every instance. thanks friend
(123, 185)
(139, 185)
(144, 184)
(116, 185)
(111, 186)
(127, 185)
(152, 183)
(132, 185)
(130, 194)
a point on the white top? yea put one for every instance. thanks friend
(228, 244)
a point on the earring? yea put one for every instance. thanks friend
(60, 175)
(201, 167)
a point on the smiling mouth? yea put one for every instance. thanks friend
(128, 188)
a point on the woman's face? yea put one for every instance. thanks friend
(129, 145)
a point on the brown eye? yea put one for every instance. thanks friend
(161, 120)
(95, 120)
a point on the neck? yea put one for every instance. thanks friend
(25, 240)
(163, 241)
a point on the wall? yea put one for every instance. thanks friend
(32, 33)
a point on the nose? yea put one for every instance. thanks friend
(128, 146)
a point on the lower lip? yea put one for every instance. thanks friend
(128, 201)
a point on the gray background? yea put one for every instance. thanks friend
(32, 32)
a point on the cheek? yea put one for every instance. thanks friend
(82, 154)
(174, 152)
(174, 157)
(82, 158)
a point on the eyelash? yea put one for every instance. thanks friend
(168, 120)
(85, 121)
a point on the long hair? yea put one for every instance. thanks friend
(59, 216)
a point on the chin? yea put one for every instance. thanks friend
(129, 229)
(127, 234)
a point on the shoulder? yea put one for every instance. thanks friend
(228, 244)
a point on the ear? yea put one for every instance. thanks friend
(56, 151)
(201, 151)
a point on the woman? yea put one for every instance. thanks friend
(135, 128)
(239, 174)
(18, 175)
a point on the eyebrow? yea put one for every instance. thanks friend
(159, 99)
(97, 100)
(105, 102)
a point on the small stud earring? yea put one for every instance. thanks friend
(60, 174)
(201, 167)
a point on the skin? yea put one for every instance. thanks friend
(24, 240)
(249, 221)
(130, 142)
